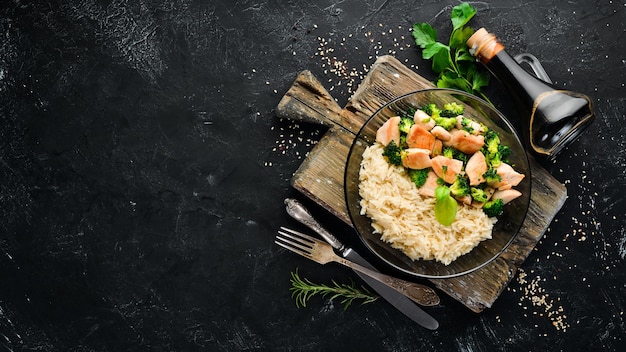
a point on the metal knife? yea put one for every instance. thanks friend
(297, 211)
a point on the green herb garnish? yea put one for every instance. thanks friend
(445, 206)
(455, 66)
(303, 289)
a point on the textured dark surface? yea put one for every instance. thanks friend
(143, 172)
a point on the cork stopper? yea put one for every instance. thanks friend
(484, 45)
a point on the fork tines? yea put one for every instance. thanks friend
(299, 234)
(295, 241)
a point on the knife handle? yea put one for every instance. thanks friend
(297, 211)
(420, 294)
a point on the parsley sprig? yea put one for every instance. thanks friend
(303, 289)
(455, 66)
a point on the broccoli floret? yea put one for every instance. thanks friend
(495, 152)
(491, 176)
(460, 187)
(504, 152)
(432, 110)
(452, 153)
(492, 141)
(419, 176)
(446, 122)
(494, 207)
(479, 195)
(393, 153)
(500, 157)
(448, 152)
(403, 144)
(405, 124)
(452, 110)
(467, 125)
(459, 155)
(410, 112)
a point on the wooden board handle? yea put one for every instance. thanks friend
(307, 100)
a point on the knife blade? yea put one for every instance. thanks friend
(297, 211)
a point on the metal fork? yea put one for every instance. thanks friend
(322, 252)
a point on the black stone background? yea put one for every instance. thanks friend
(143, 170)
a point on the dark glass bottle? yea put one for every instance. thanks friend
(552, 117)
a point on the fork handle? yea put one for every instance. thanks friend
(297, 211)
(418, 293)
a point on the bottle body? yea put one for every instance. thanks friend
(551, 118)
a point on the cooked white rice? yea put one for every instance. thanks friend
(406, 220)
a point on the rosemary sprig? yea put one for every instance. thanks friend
(302, 290)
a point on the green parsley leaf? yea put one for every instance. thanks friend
(461, 14)
(424, 34)
(451, 79)
(433, 49)
(440, 55)
(459, 37)
(465, 56)
(480, 79)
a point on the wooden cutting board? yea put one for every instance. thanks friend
(320, 176)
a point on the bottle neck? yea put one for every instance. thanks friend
(488, 50)
(484, 45)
